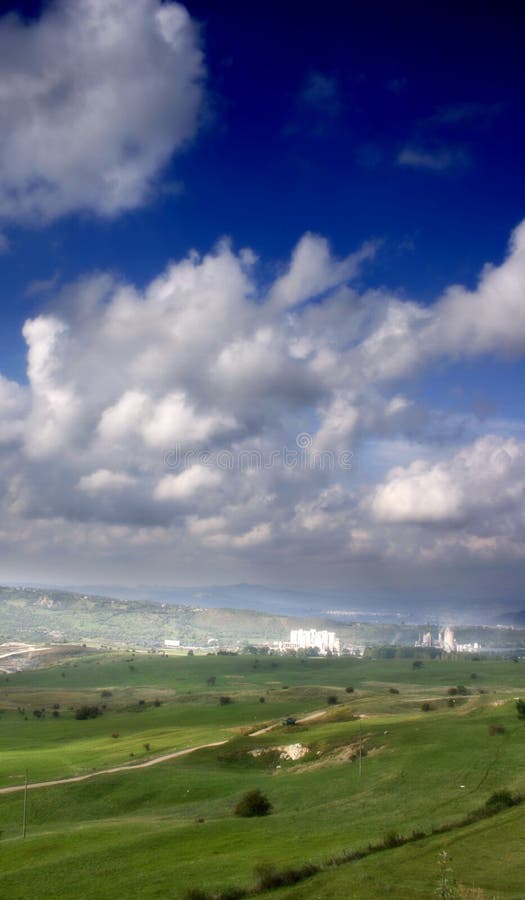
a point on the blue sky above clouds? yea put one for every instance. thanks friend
(227, 225)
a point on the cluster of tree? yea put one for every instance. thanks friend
(459, 689)
(88, 712)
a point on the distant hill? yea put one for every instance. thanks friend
(281, 601)
(34, 614)
(512, 619)
(41, 615)
(352, 604)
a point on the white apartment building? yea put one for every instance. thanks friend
(307, 638)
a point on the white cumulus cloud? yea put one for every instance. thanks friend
(486, 475)
(169, 415)
(95, 97)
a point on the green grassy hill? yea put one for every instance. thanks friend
(374, 764)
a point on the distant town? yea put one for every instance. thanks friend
(327, 643)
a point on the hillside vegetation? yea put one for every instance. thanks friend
(388, 775)
(29, 614)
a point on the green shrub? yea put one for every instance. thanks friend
(500, 800)
(496, 729)
(197, 894)
(270, 877)
(253, 803)
(232, 893)
(392, 839)
(87, 712)
(459, 689)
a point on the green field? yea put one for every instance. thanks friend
(374, 764)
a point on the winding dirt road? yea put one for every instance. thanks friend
(307, 718)
(132, 767)
(129, 767)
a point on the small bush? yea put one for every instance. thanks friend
(198, 894)
(417, 835)
(392, 839)
(115, 735)
(349, 690)
(224, 701)
(262, 699)
(267, 875)
(500, 800)
(417, 664)
(463, 690)
(520, 709)
(88, 712)
(253, 803)
(393, 691)
(270, 877)
(332, 700)
(496, 729)
(232, 893)
(426, 707)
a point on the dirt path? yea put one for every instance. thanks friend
(128, 767)
(11, 652)
(308, 718)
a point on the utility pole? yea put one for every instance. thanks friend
(360, 750)
(24, 818)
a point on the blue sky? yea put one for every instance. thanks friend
(371, 161)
